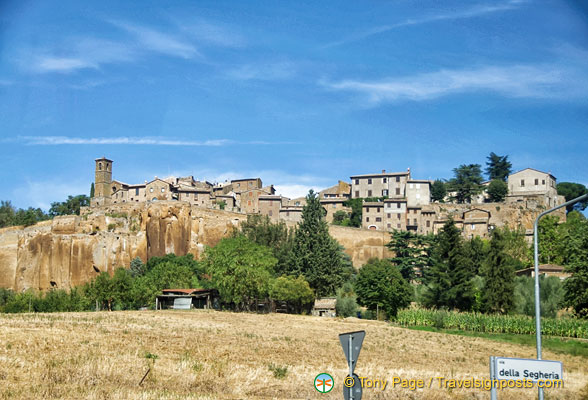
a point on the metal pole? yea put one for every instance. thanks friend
(493, 395)
(351, 365)
(537, 293)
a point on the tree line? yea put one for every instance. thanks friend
(12, 216)
(265, 260)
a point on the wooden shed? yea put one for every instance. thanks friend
(186, 299)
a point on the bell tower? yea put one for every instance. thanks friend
(102, 180)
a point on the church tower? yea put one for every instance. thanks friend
(102, 180)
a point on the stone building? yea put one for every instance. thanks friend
(390, 184)
(529, 184)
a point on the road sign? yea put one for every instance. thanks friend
(351, 343)
(527, 369)
(354, 390)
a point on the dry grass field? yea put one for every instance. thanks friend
(222, 355)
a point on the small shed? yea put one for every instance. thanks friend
(545, 269)
(325, 307)
(186, 299)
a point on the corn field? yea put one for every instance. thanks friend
(493, 323)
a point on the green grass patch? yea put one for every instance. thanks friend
(572, 347)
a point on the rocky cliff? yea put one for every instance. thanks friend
(71, 250)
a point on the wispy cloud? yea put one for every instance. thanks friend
(263, 72)
(213, 34)
(129, 140)
(542, 81)
(164, 43)
(475, 11)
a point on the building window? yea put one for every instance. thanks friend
(543, 182)
(522, 182)
(389, 225)
(369, 193)
(297, 203)
(415, 222)
(136, 191)
(99, 166)
(367, 209)
(398, 205)
(379, 209)
(389, 215)
(473, 227)
(536, 182)
(369, 181)
(378, 219)
(398, 215)
(151, 190)
(357, 194)
(357, 181)
(162, 190)
(384, 180)
(385, 192)
(398, 226)
(428, 224)
(397, 191)
(367, 219)
(397, 179)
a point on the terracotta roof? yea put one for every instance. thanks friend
(328, 303)
(380, 174)
(185, 291)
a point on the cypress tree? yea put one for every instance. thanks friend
(498, 270)
(317, 256)
(449, 281)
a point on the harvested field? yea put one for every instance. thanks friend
(223, 355)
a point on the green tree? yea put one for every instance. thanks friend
(379, 283)
(551, 295)
(137, 267)
(498, 271)
(438, 191)
(71, 206)
(498, 167)
(346, 304)
(466, 183)
(339, 217)
(576, 262)
(570, 191)
(7, 212)
(476, 251)
(449, 280)
(411, 253)
(295, 291)
(356, 206)
(92, 190)
(317, 255)
(550, 241)
(497, 191)
(240, 269)
(259, 229)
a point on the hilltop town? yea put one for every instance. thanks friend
(404, 203)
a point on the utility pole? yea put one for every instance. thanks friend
(537, 299)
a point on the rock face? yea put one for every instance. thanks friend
(71, 250)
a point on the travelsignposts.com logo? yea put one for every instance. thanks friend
(323, 383)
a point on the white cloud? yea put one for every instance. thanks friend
(543, 81)
(62, 64)
(130, 140)
(160, 42)
(293, 191)
(42, 194)
(213, 34)
(265, 72)
(471, 12)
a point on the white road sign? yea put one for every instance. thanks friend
(527, 369)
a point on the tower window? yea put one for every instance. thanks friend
(100, 166)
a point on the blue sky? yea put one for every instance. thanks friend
(299, 93)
